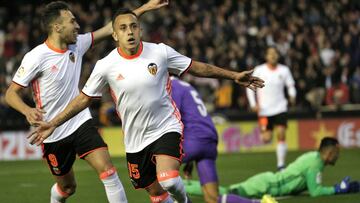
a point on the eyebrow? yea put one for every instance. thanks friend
(124, 24)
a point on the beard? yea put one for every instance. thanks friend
(71, 39)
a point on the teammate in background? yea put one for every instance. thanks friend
(138, 75)
(200, 142)
(53, 69)
(270, 102)
(304, 174)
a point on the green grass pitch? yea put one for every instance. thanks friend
(30, 181)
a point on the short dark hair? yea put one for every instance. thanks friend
(122, 11)
(51, 12)
(272, 47)
(327, 142)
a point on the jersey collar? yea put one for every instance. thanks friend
(137, 54)
(54, 48)
(271, 67)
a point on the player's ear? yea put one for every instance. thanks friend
(114, 36)
(57, 27)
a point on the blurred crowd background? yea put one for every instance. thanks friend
(318, 40)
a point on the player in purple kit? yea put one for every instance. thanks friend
(200, 142)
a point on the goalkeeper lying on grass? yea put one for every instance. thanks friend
(304, 174)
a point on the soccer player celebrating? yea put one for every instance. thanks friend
(304, 174)
(200, 142)
(53, 69)
(138, 75)
(270, 102)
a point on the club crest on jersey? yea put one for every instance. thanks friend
(72, 57)
(152, 68)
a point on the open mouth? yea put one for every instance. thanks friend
(131, 40)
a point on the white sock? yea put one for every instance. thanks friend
(57, 196)
(172, 183)
(114, 189)
(281, 150)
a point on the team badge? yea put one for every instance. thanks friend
(152, 68)
(56, 170)
(72, 57)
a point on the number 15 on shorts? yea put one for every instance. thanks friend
(133, 171)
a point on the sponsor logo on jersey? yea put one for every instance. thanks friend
(20, 73)
(72, 57)
(152, 68)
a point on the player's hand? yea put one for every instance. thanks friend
(188, 170)
(155, 4)
(292, 101)
(34, 115)
(40, 133)
(245, 79)
(343, 186)
(255, 109)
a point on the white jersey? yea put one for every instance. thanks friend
(54, 75)
(141, 89)
(271, 99)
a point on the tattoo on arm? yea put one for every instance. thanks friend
(210, 71)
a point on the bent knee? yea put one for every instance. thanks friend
(266, 138)
(68, 188)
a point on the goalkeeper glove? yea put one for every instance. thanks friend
(343, 186)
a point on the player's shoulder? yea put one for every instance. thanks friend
(261, 66)
(310, 154)
(153, 46)
(85, 36)
(283, 67)
(311, 158)
(108, 59)
(111, 55)
(38, 52)
(154, 49)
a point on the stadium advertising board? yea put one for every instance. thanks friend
(233, 137)
(346, 130)
(245, 136)
(14, 146)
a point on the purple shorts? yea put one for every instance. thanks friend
(204, 154)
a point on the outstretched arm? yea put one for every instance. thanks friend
(313, 182)
(243, 78)
(46, 128)
(107, 30)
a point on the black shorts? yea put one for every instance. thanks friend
(268, 123)
(142, 165)
(61, 155)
